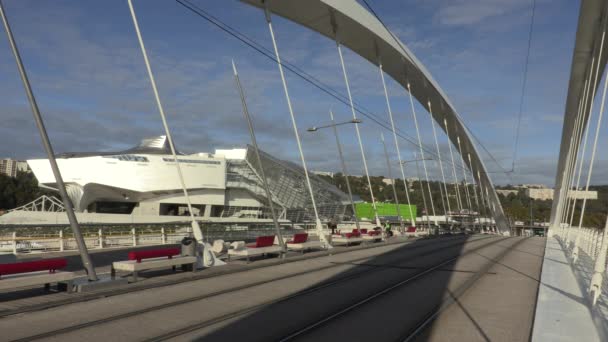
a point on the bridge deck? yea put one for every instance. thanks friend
(382, 293)
(563, 311)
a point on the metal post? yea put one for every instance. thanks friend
(14, 243)
(589, 98)
(567, 172)
(352, 108)
(426, 209)
(458, 198)
(61, 241)
(133, 237)
(474, 191)
(600, 267)
(163, 236)
(390, 115)
(254, 142)
(198, 233)
(100, 236)
(575, 142)
(593, 149)
(344, 170)
(447, 199)
(426, 174)
(483, 201)
(388, 165)
(67, 203)
(318, 224)
(464, 174)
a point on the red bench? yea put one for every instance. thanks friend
(263, 245)
(299, 238)
(262, 241)
(154, 253)
(20, 277)
(50, 265)
(411, 230)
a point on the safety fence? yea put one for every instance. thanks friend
(62, 240)
(14, 243)
(587, 248)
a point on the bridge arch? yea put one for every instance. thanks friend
(360, 31)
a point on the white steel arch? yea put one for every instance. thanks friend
(365, 35)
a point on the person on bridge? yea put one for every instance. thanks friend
(387, 227)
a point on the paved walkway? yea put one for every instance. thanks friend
(563, 309)
(36, 298)
(270, 303)
(500, 305)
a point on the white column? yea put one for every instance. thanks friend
(61, 241)
(198, 234)
(593, 151)
(474, 183)
(100, 236)
(318, 224)
(458, 198)
(15, 243)
(447, 208)
(390, 115)
(426, 174)
(582, 157)
(600, 267)
(133, 236)
(575, 141)
(464, 173)
(352, 108)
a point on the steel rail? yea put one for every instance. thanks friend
(242, 287)
(387, 290)
(453, 296)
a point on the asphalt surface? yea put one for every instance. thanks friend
(451, 289)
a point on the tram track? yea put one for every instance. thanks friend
(201, 276)
(453, 296)
(427, 249)
(209, 323)
(428, 318)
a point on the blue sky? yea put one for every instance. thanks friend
(89, 78)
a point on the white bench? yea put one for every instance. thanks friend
(248, 252)
(13, 281)
(132, 266)
(367, 237)
(304, 245)
(345, 240)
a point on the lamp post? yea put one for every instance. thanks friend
(333, 125)
(404, 162)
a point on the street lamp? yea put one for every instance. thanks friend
(353, 121)
(343, 164)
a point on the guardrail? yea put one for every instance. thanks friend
(47, 243)
(588, 248)
(60, 241)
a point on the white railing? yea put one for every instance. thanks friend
(12, 243)
(587, 247)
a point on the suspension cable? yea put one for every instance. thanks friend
(398, 42)
(312, 80)
(593, 151)
(196, 229)
(523, 87)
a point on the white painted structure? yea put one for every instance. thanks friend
(139, 186)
